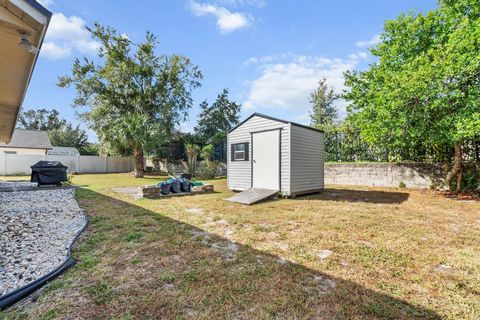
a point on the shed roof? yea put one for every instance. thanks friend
(63, 151)
(274, 119)
(32, 139)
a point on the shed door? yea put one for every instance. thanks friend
(266, 160)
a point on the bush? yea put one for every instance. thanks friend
(470, 181)
(70, 177)
(210, 169)
(192, 151)
(402, 185)
(436, 185)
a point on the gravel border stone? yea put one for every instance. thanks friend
(36, 231)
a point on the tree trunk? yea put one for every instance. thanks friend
(138, 153)
(456, 169)
(459, 180)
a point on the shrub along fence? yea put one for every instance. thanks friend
(176, 151)
(19, 164)
(176, 166)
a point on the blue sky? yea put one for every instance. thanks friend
(270, 54)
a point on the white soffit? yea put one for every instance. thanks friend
(30, 10)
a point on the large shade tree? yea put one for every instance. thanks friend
(424, 89)
(41, 119)
(217, 119)
(133, 96)
(324, 114)
(60, 131)
(70, 136)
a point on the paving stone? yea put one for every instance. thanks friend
(324, 254)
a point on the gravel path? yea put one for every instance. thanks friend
(36, 230)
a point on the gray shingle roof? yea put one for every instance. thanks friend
(33, 139)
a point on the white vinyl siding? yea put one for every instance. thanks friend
(308, 154)
(239, 172)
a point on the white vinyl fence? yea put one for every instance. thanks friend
(19, 164)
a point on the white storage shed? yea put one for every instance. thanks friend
(274, 154)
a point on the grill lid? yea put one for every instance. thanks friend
(49, 165)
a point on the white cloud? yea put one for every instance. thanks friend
(287, 85)
(369, 43)
(65, 35)
(227, 21)
(358, 55)
(302, 118)
(54, 51)
(265, 59)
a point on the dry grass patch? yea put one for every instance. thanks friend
(366, 253)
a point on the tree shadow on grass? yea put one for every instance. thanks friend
(353, 195)
(137, 263)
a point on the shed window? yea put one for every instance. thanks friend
(240, 152)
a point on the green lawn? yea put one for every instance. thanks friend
(351, 252)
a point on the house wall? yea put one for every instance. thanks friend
(239, 172)
(23, 150)
(307, 156)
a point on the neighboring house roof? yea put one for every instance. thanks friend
(63, 151)
(32, 139)
(274, 119)
(23, 24)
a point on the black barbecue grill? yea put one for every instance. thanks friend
(48, 173)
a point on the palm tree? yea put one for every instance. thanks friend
(135, 132)
(192, 151)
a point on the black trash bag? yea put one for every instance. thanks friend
(164, 188)
(185, 185)
(174, 186)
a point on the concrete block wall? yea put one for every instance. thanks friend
(414, 175)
